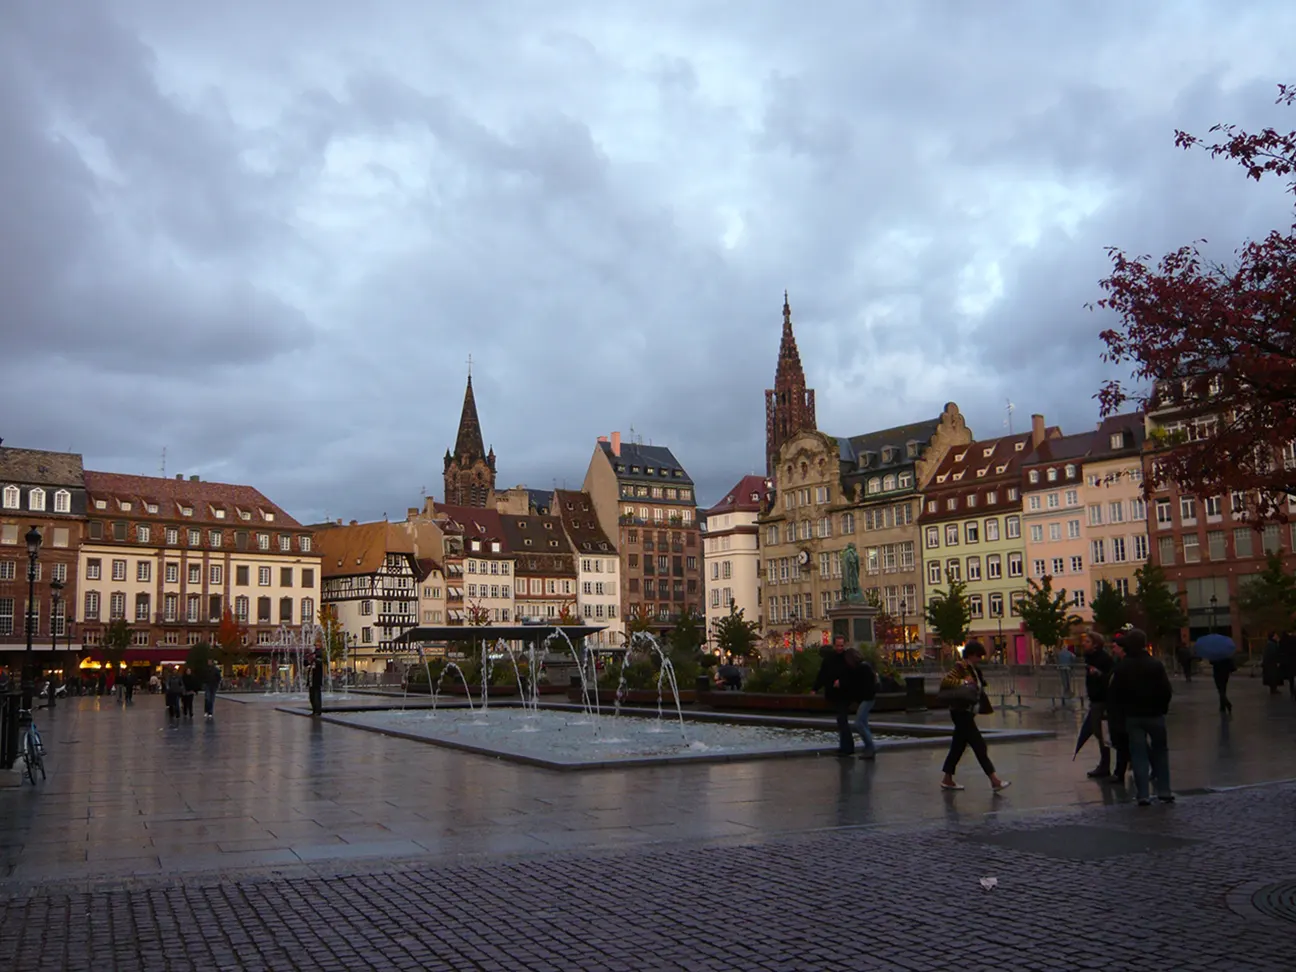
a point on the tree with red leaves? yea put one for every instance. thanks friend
(1218, 342)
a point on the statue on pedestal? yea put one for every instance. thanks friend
(850, 589)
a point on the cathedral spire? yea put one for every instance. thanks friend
(789, 405)
(469, 470)
(468, 443)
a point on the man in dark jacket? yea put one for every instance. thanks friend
(1140, 689)
(211, 685)
(317, 684)
(834, 680)
(1098, 669)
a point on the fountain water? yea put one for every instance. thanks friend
(463, 678)
(666, 674)
(591, 711)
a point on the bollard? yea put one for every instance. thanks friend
(915, 693)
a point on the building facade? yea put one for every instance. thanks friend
(1053, 517)
(169, 556)
(644, 497)
(544, 568)
(45, 490)
(789, 405)
(972, 531)
(1115, 524)
(469, 470)
(371, 581)
(478, 566)
(731, 552)
(598, 573)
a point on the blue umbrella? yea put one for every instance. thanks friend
(1215, 647)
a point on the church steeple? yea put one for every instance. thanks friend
(469, 469)
(789, 405)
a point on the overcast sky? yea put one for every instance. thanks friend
(267, 234)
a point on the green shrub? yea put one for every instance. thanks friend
(786, 675)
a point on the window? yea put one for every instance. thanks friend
(263, 541)
(195, 538)
(1242, 542)
(1034, 476)
(1237, 502)
(1141, 546)
(1053, 501)
(1057, 565)
(1055, 531)
(119, 570)
(7, 612)
(994, 567)
(143, 570)
(1012, 527)
(195, 574)
(285, 543)
(141, 607)
(36, 500)
(974, 568)
(92, 606)
(1077, 565)
(8, 570)
(241, 606)
(991, 531)
(933, 537)
(848, 523)
(1097, 552)
(1095, 514)
(1072, 497)
(1038, 568)
(1015, 565)
(1116, 512)
(1138, 509)
(951, 534)
(172, 536)
(142, 534)
(1073, 529)
(241, 572)
(11, 498)
(263, 610)
(1188, 510)
(215, 575)
(975, 602)
(1163, 515)
(94, 568)
(1214, 508)
(1078, 598)
(170, 607)
(1166, 551)
(1033, 503)
(1037, 533)
(285, 577)
(366, 607)
(996, 605)
(285, 610)
(1269, 539)
(193, 608)
(214, 538)
(953, 569)
(1215, 545)
(933, 572)
(304, 544)
(971, 532)
(1118, 550)
(1191, 548)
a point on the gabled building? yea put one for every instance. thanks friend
(731, 551)
(168, 556)
(1116, 520)
(1053, 511)
(478, 565)
(833, 492)
(644, 497)
(45, 490)
(598, 591)
(470, 469)
(544, 567)
(972, 531)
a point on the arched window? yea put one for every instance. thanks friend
(11, 495)
(36, 499)
(62, 501)
(308, 610)
(888, 483)
(874, 485)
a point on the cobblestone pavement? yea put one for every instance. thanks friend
(842, 899)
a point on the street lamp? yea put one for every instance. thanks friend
(33, 539)
(1213, 601)
(56, 597)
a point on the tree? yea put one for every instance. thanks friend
(1046, 613)
(1267, 602)
(948, 613)
(478, 615)
(199, 657)
(228, 649)
(1110, 610)
(116, 640)
(687, 635)
(735, 636)
(332, 636)
(1218, 340)
(567, 616)
(1157, 606)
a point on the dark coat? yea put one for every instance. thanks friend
(1287, 657)
(834, 668)
(1099, 666)
(1140, 687)
(1271, 663)
(317, 675)
(191, 683)
(213, 679)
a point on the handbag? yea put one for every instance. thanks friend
(961, 694)
(983, 704)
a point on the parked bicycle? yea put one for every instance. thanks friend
(33, 750)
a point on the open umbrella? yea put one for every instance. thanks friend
(1086, 731)
(1214, 647)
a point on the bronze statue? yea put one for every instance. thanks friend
(850, 589)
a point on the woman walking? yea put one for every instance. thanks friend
(965, 687)
(1220, 671)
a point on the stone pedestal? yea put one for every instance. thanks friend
(854, 619)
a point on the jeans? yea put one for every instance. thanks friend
(209, 699)
(1064, 678)
(187, 701)
(1149, 753)
(846, 744)
(967, 734)
(862, 724)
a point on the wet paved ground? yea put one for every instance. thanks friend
(266, 840)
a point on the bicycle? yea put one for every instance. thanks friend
(33, 750)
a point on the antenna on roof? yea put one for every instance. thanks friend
(423, 491)
(162, 469)
(1009, 408)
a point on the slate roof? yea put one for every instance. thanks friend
(645, 457)
(548, 544)
(853, 449)
(40, 468)
(581, 522)
(967, 470)
(1131, 426)
(1061, 449)
(202, 497)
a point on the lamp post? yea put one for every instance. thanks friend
(1003, 653)
(33, 539)
(1213, 601)
(56, 597)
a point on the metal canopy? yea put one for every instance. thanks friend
(495, 632)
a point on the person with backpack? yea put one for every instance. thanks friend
(834, 680)
(864, 685)
(1140, 690)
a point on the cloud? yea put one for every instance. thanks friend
(268, 236)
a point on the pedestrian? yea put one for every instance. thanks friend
(1065, 659)
(1098, 669)
(863, 681)
(155, 684)
(317, 684)
(211, 685)
(964, 686)
(1271, 664)
(834, 681)
(1220, 671)
(1185, 658)
(1140, 689)
(191, 683)
(130, 686)
(1287, 661)
(174, 690)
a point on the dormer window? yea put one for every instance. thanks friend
(1118, 440)
(972, 500)
(1000, 469)
(269, 517)
(982, 471)
(36, 499)
(961, 456)
(888, 454)
(942, 477)
(101, 504)
(911, 450)
(755, 497)
(987, 452)
(1052, 475)
(1019, 446)
(527, 542)
(634, 470)
(13, 497)
(495, 547)
(124, 504)
(245, 515)
(186, 511)
(1033, 475)
(1070, 472)
(475, 545)
(958, 475)
(553, 543)
(992, 497)
(951, 503)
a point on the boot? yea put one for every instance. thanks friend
(1103, 769)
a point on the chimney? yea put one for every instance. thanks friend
(1037, 431)
(179, 477)
(354, 523)
(616, 443)
(411, 512)
(339, 522)
(602, 438)
(193, 479)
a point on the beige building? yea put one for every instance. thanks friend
(598, 597)
(169, 556)
(834, 492)
(1053, 510)
(1116, 528)
(731, 552)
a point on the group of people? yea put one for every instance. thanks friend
(181, 687)
(1129, 692)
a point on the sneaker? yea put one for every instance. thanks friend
(1003, 785)
(1144, 802)
(1168, 798)
(953, 786)
(868, 754)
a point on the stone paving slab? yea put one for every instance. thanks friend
(853, 898)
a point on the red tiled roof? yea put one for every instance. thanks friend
(739, 499)
(473, 523)
(359, 549)
(170, 495)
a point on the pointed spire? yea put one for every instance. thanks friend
(789, 356)
(469, 440)
(787, 313)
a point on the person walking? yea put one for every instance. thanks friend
(967, 684)
(191, 683)
(317, 684)
(833, 680)
(1287, 661)
(1271, 664)
(1220, 671)
(1098, 669)
(864, 689)
(1185, 658)
(211, 685)
(1140, 689)
(1065, 659)
(174, 690)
